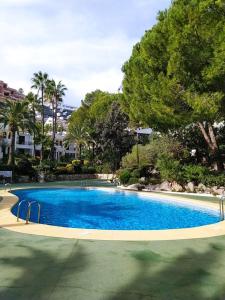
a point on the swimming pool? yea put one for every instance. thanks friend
(110, 209)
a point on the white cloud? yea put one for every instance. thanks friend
(73, 41)
(19, 2)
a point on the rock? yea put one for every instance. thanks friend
(207, 191)
(190, 187)
(136, 187)
(153, 187)
(217, 191)
(142, 180)
(201, 188)
(176, 187)
(165, 186)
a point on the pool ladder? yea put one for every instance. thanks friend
(221, 204)
(29, 210)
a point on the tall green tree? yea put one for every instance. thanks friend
(16, 117)
(175, 76)
(39, 82)
(54, 93)
(78, 136)
(34, 106)
(113, 137)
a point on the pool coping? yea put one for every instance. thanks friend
(9, 221)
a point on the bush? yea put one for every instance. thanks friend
(213, 180)
(103, 168)
(24, 167)
(76, 162)
(88, 170)
(61, 171)
(150, 153)
(133, 180)
(86, 163)
(77, 169)
(195, 173)
(136, 173)
(124, 176)
(170, 169)
(70, 169)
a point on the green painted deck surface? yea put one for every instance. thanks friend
(34, 267)
(41, 268)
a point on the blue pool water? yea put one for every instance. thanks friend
(110, 209)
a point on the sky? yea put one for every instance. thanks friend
(84, 43)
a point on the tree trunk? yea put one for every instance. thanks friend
(53, 129)
(210, 138)
(11, 158)
(43, 123)
(34, 134)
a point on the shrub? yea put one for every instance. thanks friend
(106, 168)
(150, 153)
(195, 173)
(124, 176)
(76, 162)
(170, 169)
(136, 173)
(213, 180)
(86, 163)
(70, 168)
(88, 170)
(77, 169)
(24, 167)
(61, 171)
(103, 168)
(133, 180)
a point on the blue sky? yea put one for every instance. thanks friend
(84, 43)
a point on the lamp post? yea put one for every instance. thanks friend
(138, 159)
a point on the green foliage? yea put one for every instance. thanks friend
(124, 176)
(213, 180)
(88, 170)
(16, 116)
(136, 173)
(98, 127)
(86, 162)
(170, 169)
(76, 162)
(70, 168)
(113, 138)
(148, 154)
(195, 173)
(24, 167)
(133, 180)
(104, 168)
(175, 76)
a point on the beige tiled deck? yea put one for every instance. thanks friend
(8, 221)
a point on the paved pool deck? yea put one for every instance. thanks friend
(41, 268)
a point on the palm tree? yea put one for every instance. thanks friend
(79, 136)
(15, 116)
(34, 106)
(39, 81)
(54, 94)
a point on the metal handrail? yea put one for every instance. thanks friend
(18, 209)
(29, 211)
(221, 207)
